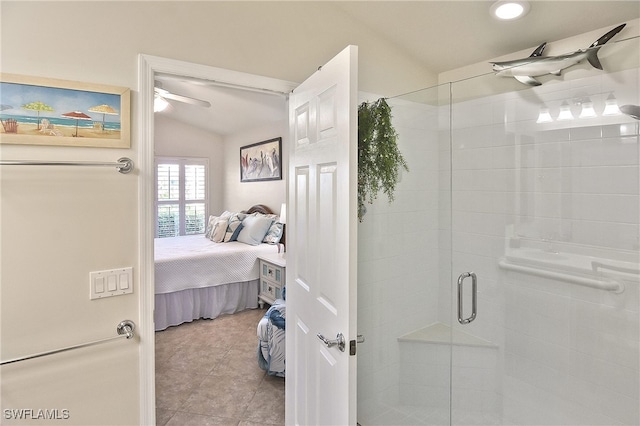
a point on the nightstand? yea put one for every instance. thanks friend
(272, 278)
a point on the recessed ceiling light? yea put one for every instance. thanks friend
(508, 10)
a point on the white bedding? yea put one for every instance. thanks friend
(193, 261)
(272, 339)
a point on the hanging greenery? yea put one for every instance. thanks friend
(379, 159)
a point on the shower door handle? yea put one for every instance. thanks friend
(474, 297)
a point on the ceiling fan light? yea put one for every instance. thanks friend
(159, 103)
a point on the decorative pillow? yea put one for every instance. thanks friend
(234, 236)
(274, 233)
(219, 230)
(234, 221)
(212, 220)
(270, 215)
(254, 228)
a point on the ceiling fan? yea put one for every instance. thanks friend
(162, 96)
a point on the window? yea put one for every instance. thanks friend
(181, 196)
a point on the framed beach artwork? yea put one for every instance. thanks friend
(42, 111)
(261, 161)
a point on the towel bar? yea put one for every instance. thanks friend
(125, 329)
(602, 284)
(124, 165)
(600, 265)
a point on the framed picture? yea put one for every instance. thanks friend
(42, 111)
(261, 161)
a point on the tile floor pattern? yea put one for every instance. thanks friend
(207, 374)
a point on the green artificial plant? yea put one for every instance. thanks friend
(379, 159)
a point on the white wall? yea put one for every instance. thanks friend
(176, 139)
(57, 225)
(173, 138)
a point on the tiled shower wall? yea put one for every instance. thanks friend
(398, 260)
(564, 186)
(568, 186)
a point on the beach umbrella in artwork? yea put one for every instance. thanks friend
(76, 115)
(38, 106)
(104, 110)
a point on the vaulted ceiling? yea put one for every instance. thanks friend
(441, 35)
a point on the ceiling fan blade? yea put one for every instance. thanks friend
(186, 99)
(180, 98)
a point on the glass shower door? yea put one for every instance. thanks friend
(545, 211)
(404, 364)
(536, 193)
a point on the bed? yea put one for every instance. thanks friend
(271, 339)
(200, 276)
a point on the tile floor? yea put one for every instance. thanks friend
(207, 374)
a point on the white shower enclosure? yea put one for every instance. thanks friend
(501, 286)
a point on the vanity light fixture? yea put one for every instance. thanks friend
(611, 106)
(565, 112)
(587, 109)
(544, 116)
(509, 10)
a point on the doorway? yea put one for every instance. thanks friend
(149, 67)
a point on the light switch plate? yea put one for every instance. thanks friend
(112, 282)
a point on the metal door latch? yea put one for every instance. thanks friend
(339, 341)
(352, 344)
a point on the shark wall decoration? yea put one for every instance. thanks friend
(632, 111)
(524, 70)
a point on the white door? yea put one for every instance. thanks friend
(322, 245)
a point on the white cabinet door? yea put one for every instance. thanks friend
(322, 245)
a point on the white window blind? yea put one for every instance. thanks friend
(181, 196)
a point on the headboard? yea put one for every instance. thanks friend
(259, 208)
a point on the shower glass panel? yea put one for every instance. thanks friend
(544, 209)
(403, 366)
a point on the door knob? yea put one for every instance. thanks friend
(339, 341)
